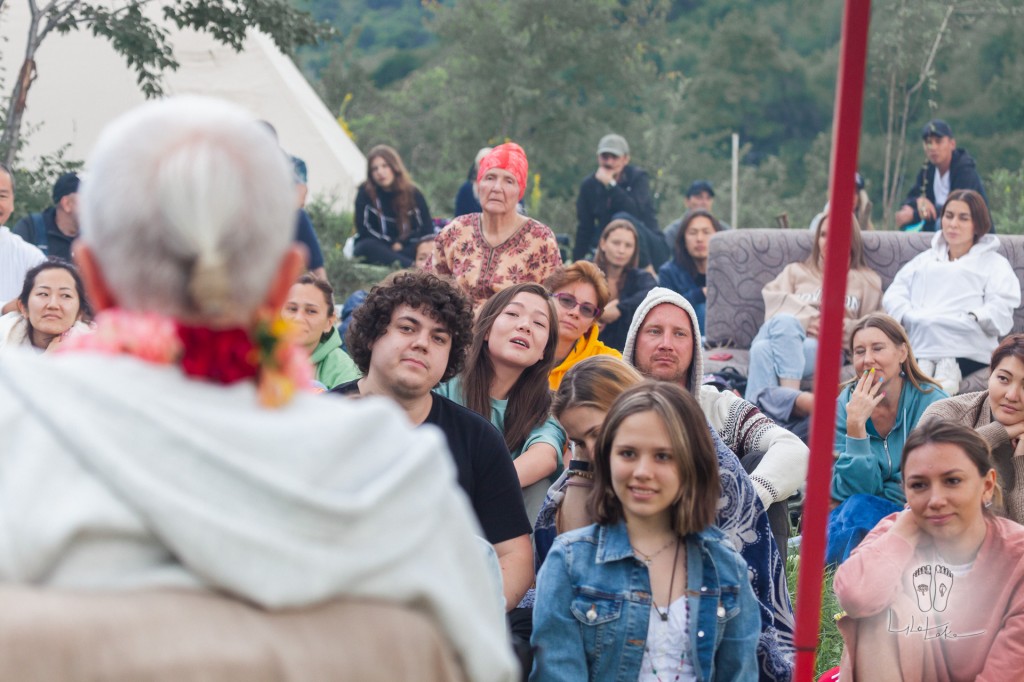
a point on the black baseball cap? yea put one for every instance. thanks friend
(699, 186)
(66, 184)
(936, 127)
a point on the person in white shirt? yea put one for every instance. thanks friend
(957, 298)
(176, 447)
(16, 255)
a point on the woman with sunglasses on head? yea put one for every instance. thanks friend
(936, 591)
(581, 292)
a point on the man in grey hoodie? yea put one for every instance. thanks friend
(661, 343)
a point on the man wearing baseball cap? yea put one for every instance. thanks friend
(615, 187)
(699, 197)
(946, 169)
(55, 229)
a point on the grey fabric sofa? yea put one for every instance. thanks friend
(741, 262)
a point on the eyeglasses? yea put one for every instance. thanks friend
(568, 301)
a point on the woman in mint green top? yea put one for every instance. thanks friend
(310, 308)
(506, 381)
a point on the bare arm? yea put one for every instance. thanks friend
(572, 513)
(537, 461)
(515, 557)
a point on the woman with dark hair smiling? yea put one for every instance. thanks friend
(506, 381)
(957, 298)
(310, 308)
(391, 213)
(51, 306)
(627, 597)
(997, 415)
(936, 591)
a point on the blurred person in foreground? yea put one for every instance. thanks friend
(226, 478)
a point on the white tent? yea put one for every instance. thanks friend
(82, 84)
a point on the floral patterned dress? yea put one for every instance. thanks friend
(482, 270)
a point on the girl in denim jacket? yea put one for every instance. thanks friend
(652, 591)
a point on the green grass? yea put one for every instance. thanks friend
(830, 642)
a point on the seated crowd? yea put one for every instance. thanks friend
(632, 520)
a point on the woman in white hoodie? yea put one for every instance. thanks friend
(956, 299)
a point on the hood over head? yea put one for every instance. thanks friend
(656, 297)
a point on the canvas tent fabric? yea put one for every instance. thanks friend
(83, 84)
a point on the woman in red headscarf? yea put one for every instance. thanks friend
(490, 251)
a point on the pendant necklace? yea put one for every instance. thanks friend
(648, 558)
(671, 584)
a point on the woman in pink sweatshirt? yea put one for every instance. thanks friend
(936, 591)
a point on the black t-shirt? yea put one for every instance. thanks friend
(484, 466)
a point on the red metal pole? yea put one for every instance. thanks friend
(845, 141)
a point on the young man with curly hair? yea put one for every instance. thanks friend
(410, 334)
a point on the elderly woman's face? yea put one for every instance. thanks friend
(53, 305)
(499, 191)
(1006, 391)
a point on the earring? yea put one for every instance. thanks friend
(987, 504)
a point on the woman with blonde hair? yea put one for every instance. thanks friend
(581, 292)
(786, 347)
(617, 257)
(391, 213)
(876, 412)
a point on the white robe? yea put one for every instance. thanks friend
(117, 474)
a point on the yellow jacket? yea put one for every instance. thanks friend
(587, 346)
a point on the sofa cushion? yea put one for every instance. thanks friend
(741, 262)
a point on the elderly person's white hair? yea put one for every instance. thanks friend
(188, 208)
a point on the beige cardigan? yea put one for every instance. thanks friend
(972, 409)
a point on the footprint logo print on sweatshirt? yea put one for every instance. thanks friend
(932, 586)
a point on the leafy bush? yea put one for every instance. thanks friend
(1005, 191)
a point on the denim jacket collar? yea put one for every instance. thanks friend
(613, 541)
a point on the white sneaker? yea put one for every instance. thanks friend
(947, 373)
(927, 366)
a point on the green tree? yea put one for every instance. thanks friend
(143, 42)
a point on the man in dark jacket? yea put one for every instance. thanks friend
(614, 187)
(947, 169)
(55, 229)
